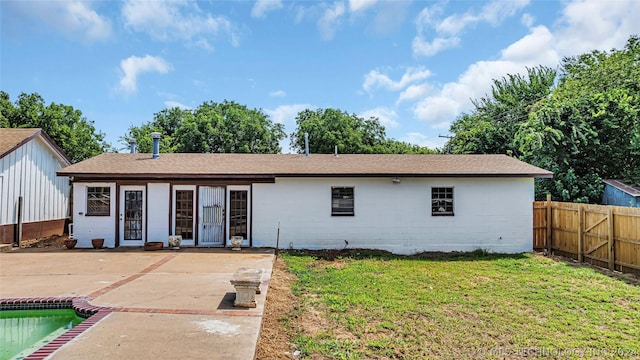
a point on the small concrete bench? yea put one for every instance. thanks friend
(247, 284)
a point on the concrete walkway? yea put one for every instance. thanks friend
(166, 304)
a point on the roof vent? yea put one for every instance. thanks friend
(156, 144)
(306, 144)
(132, 146)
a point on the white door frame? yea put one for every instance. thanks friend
(184, 242)
(143, 229)
(246, 188)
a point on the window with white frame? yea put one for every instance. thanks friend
(98, 200)
(342, 201)
(442, 201)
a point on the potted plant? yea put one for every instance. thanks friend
(153, 245)
(97, 243)
(70, 243)
(236, 242)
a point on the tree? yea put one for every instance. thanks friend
(328, 128)
(226, 127)
(589, 129)
(75, 135)
(491, 127)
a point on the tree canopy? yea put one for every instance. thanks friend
(72, 132)
(328, 128)
(585, 127)
(226, 127)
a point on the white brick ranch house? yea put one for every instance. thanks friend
(401, 203)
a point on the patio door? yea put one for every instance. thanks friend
(184, 209)
(211, 216)
(132, 215)
(239, 221)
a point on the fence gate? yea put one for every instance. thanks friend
(605, 236)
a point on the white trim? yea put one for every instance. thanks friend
(124, 242)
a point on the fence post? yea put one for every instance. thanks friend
(18, 237)
(548, 223)
(611, 240)
(580, 231)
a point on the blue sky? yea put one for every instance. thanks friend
(413, 64)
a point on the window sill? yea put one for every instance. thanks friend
(99, 215)
(442, 214)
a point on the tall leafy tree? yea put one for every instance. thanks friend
(75, 135)
(226, 127)
(589, 128)
(491, 127)
(328, 128)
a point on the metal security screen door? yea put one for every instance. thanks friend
(133, 216)
(211, 216)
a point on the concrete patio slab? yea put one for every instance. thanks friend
(166, 336)
(166, 304)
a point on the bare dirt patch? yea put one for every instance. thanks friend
(51, 242)
(275, 342)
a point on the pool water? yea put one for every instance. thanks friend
(25, 331)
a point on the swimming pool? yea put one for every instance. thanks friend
(81, 317)
(24, 331)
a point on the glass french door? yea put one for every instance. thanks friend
(239, 222)
(132, 215)
(184, 214)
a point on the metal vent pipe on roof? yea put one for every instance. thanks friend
(306, 144)
(156, 144)
(132, 146)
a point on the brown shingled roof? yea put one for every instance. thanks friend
(13, 138)
(110, 165)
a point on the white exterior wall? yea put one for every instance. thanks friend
(158, 210)
(30, 171)
(490, 213)
(85, 227)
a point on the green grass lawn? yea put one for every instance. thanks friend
(365, 305)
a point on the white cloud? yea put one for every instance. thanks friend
(286, 115)
(576, 32)
(536, 48)
(423, 140)
(75, 19)
(134, 66)
(425, 48)
(359, 5)
(449, 28)
(173, 104)
(278, 93)
(527, 20)
(81, 19)
(262, 7)
(386, 116)
(593, 24)
(177, 20)
(413, 92)
(330, 20)
(376, 79)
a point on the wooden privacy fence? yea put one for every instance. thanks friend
(605, 236)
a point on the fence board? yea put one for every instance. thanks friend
(607, 236)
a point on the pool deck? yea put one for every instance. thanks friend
(165, 304)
